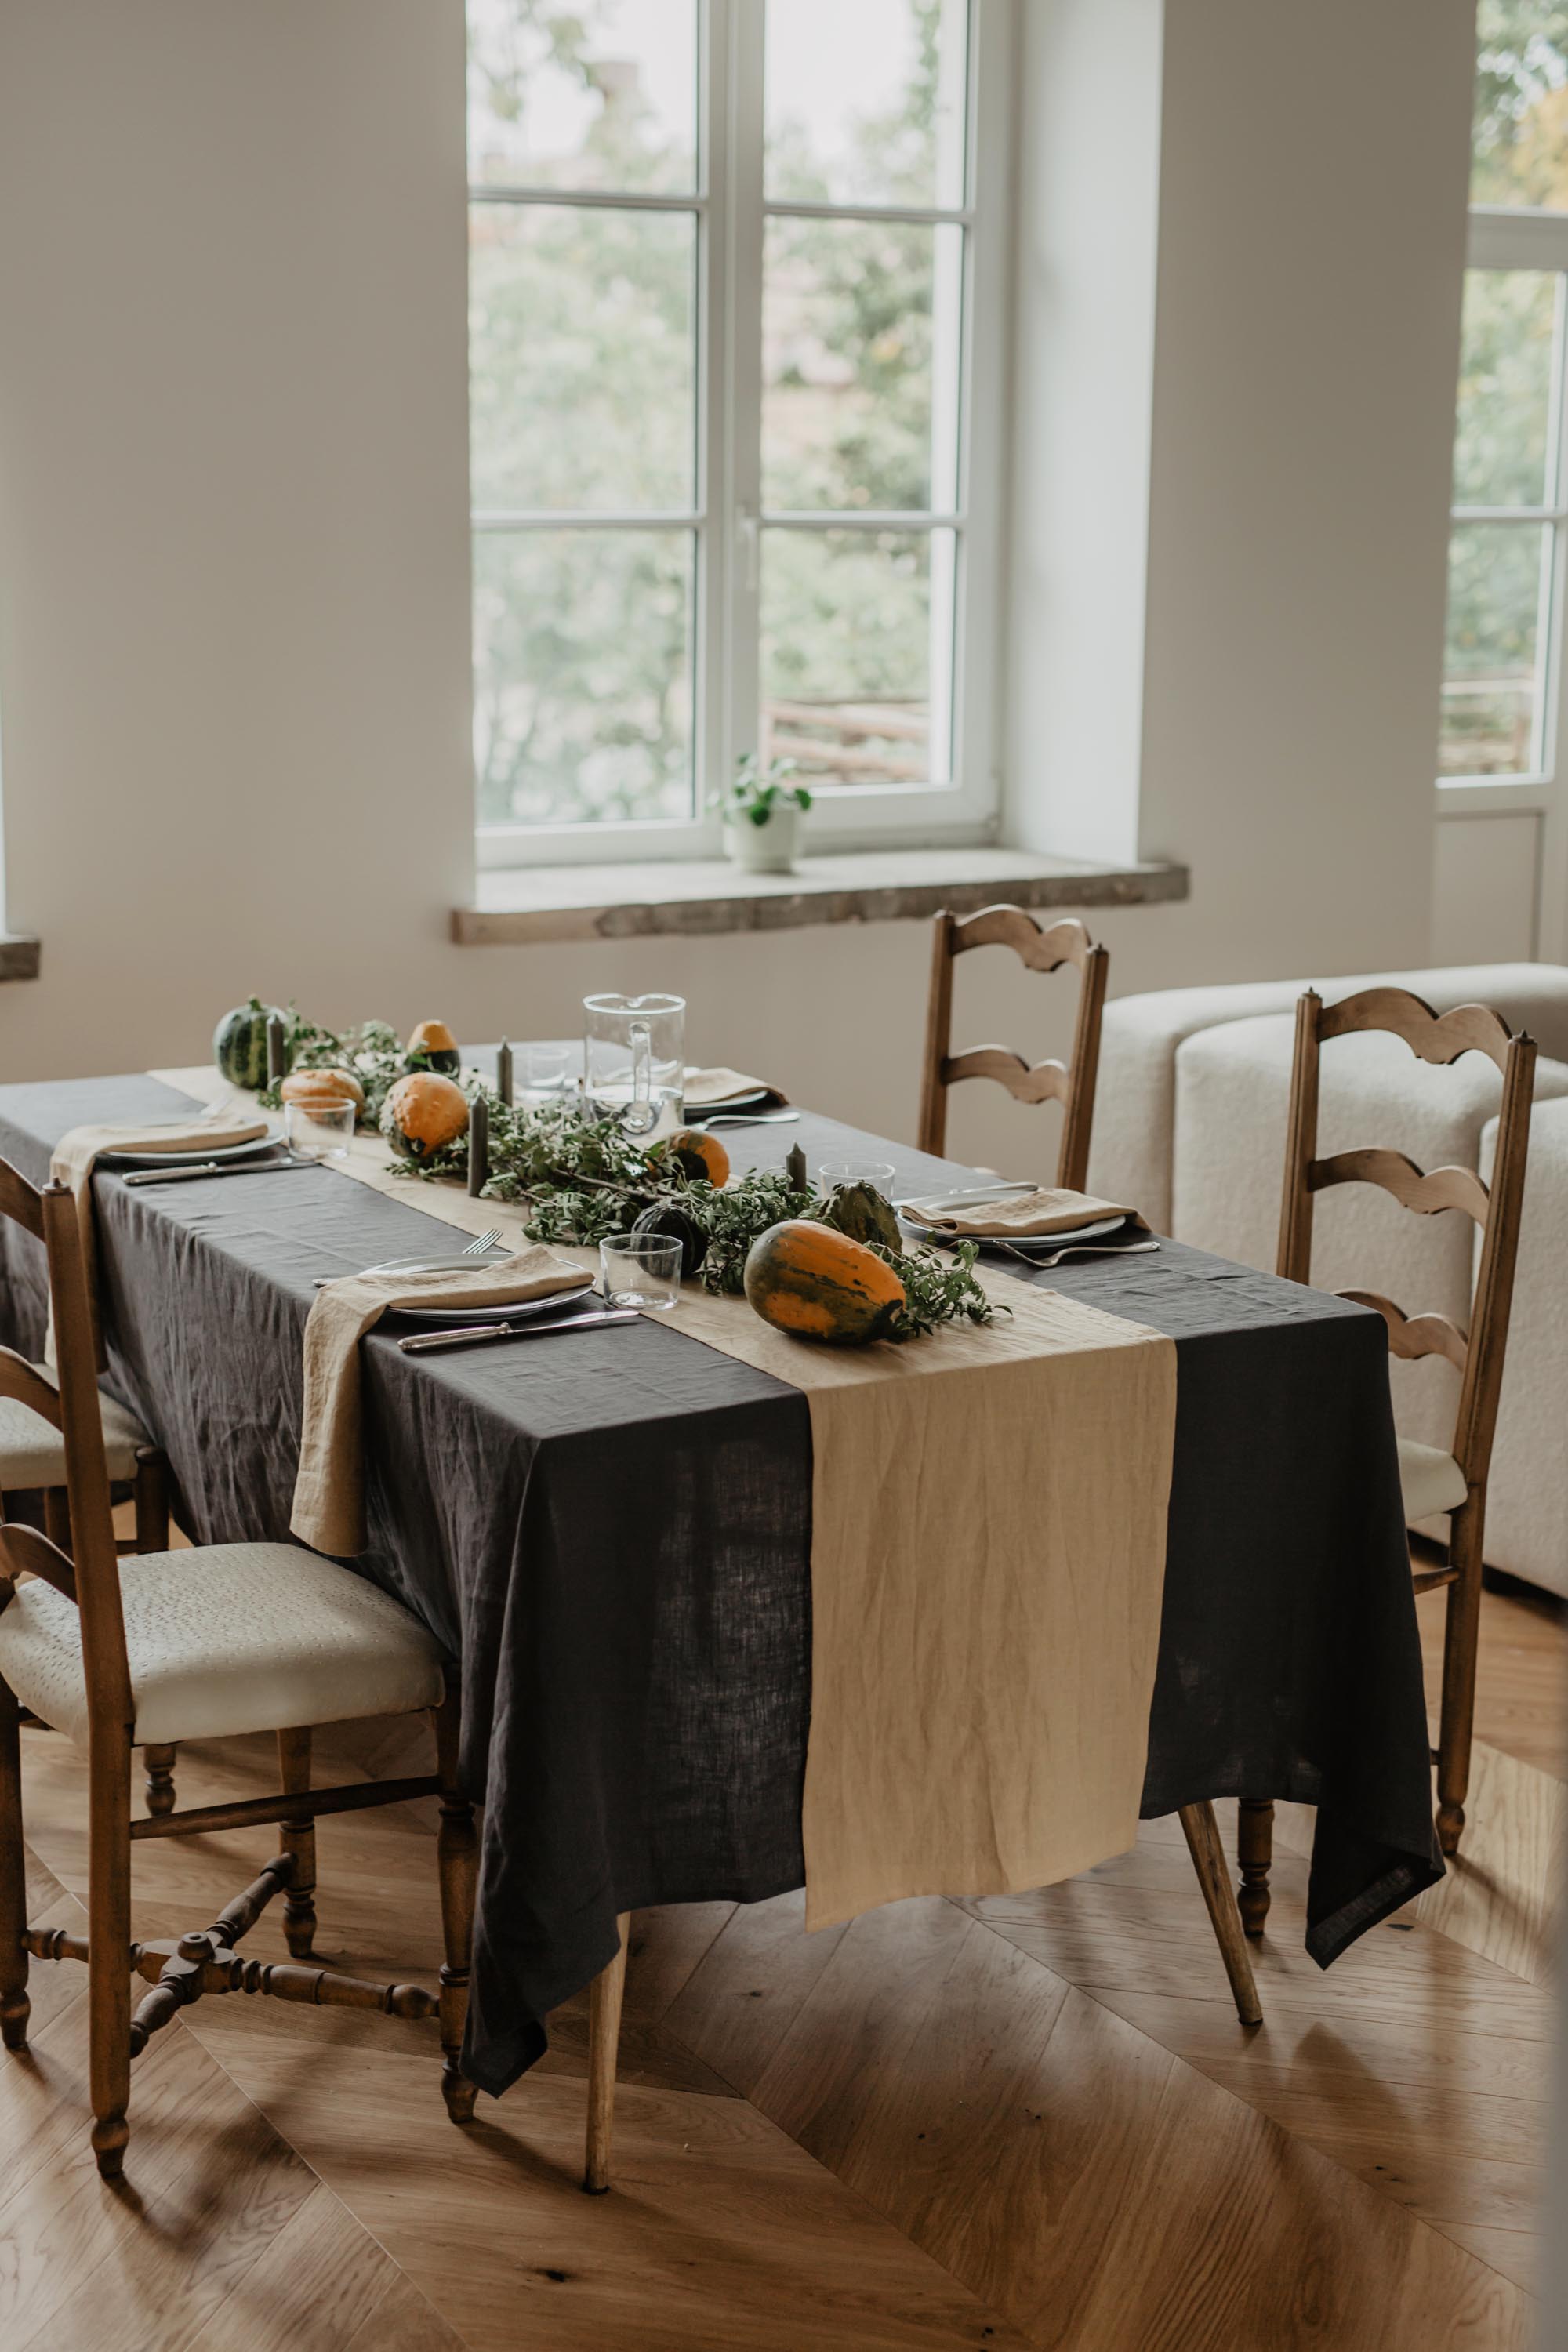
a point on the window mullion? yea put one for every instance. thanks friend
(738, 512)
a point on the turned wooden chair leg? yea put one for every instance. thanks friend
(158, 1786)
(1255, 1852)
(1460, 1641)
(109, 1949)
(458, 1868)
(1207, 1848)
(297, 1838)
(605, 1998)
(149, 1495)
(15, 2005)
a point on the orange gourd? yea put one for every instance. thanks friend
(433, 1046)
(697, 1154)
(312, 1087)
(422, 1113)
(815, 1284)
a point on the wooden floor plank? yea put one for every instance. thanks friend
(1031, 2121)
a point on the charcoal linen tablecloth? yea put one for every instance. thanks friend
(612, 1533)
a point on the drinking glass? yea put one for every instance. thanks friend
(633, 1061)
(540, 1073)
(640, 1270)
(319, 1130)
(878, 1174)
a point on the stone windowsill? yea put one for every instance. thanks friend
(525, 906)
(18, 957)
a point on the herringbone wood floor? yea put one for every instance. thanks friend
(1032, 2122)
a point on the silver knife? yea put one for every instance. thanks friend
(186, 1174)
(471, 1333)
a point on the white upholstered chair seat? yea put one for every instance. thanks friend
(1431, 1480)
(32, 1454)
(229, 1638)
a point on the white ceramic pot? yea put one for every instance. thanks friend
(768, 848)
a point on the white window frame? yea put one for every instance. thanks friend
(1504, 237)
(728, 521)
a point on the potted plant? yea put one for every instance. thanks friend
(762, 810)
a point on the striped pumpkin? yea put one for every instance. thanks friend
(815, 1284)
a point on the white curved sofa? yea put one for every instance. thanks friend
(1190, 1124)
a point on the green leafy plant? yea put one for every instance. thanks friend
(758, 791)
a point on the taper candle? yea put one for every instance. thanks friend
(503, 1072)
(479, 1145)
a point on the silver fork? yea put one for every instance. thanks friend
(478, 1248)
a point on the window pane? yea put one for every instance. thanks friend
(857, 654)
(583, 93)
(865, 100)
(1505, 380)
(1520, 151)
(1492, 684)
(581, 357)
(861, 331)
(582, 650)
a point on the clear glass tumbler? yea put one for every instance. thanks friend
(322, 1131)
(640, 1270)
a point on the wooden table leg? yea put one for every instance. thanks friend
(605, 1999)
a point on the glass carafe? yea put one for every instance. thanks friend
(633, 1061)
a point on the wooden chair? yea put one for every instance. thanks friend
(1071, 1085)
(192, 1645)
(1433, 1482)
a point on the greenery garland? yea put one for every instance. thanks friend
(585, 1179)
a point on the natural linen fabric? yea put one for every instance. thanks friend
(707, 1089)
(75, 1155)
(988, 1552)
(1052, 1209)
(987, 1557)
(328, 1494)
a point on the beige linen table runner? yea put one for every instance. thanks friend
(329, 1492)
(988, 1556)
(1050, 1211)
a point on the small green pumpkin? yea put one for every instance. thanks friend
(862, 1212)
(669, 1222)
(239, 1044)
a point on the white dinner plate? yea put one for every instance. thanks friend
(194, 1155)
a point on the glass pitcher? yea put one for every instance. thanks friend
(633, 1061)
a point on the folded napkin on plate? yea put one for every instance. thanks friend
(707, 1089)
(1020, 1214)
(329, 1492)
(77, 1153)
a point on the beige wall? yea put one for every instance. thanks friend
(233, 566)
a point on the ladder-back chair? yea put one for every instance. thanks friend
(1041, 948)
(200, 1643)
(1433, 1483)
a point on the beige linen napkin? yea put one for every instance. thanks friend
(329, 1492)
(707, 1089)
(75, 1155)
(1052, 1211)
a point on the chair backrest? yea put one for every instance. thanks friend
(1041, 948)
(1478, 1354)
(90, 1577)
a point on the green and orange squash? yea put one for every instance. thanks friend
(432, 1047)
(698, 1155)
(423, 1113)
(815, 1284)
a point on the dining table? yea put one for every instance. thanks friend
(610, 1535)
